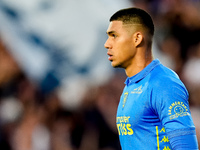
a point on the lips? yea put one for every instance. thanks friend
(109, 56)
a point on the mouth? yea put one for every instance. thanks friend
(109, 56)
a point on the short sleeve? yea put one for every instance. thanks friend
(170, 102)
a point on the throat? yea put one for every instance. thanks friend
(136, 68)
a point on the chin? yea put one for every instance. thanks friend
(116, 65)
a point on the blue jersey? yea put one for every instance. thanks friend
(153, 110)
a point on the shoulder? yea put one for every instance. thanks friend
(165, 89)
(166, 82)
(163, 76)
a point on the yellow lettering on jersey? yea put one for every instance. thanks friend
(162, 130)
(165, 139)
(130, 131)
(123, 125)
(122, 119)
(118, 128)
(166, 148)
(124, 129)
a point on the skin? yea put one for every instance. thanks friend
(127, 47)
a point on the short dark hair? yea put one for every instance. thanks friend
(134, 16)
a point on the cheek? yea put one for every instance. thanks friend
(123, 46)
(126, 48)
(128, 53)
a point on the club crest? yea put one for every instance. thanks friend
(124, 100)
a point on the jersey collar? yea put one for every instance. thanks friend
(139, 76)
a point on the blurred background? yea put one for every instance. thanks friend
(58, 90)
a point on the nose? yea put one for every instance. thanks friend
(107, 45)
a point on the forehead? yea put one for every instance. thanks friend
(115, 26)
(119, 26)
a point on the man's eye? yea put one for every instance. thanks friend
(114, 35)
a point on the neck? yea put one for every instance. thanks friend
(139, 63)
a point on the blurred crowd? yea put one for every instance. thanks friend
(36, 118)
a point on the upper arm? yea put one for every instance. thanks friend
(170, 102)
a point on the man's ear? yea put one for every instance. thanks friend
(138, 37)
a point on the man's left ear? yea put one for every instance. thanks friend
(138, 37)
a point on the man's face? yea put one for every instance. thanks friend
(120, 45)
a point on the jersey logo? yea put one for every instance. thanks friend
(125, 98)
(162, 139)
(137, 90)
(178, 109)
(124, 126)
